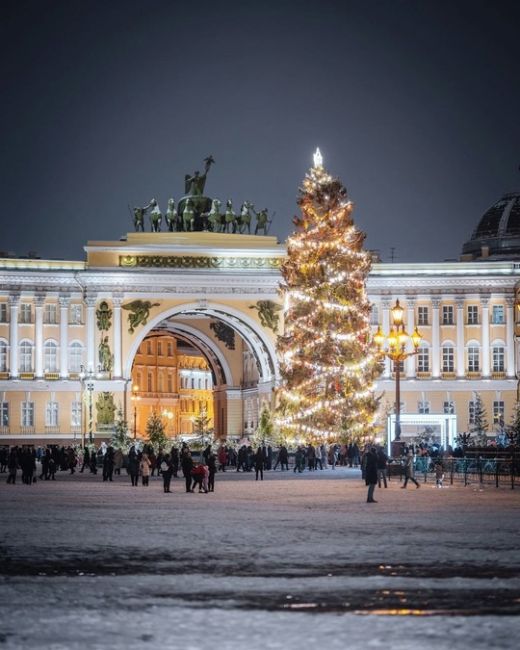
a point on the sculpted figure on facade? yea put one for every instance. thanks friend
(104, 316)
(105, 409)
(139, 312)
(105, 357)
(268, 313)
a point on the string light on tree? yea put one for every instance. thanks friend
(328, 363)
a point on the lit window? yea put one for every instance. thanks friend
(473, 359)
(75, 357)
(498, 315)
(51, 414)
(75, 414)
(50, 353)
(159, 348)
(498, 412)
(448, 359)
(26, 355)
(498, 359)
(4, 414)
(27, 414)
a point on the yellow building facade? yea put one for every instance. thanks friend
(186, 317)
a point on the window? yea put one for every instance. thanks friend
(51, 414)
(75, 357)
(76, 315)
(200, 383)
(3, 356)
(193, 383)
(473, 359)
(498, 359)
(4, 414)
(159, 348)
(448, 359)
(27, 414)
(3, 312)
(471, 411)
(160, 383)
(423, 406)
(25, 313)
(150, 383)
(447, 315)
(75, 414)
(497, 317)
(422, 315)
(26, 351)
(170, 349)
(148, 347)
(498, 412)
(448, 407)
(50, 314)
(472, 315)
(170, 383)
(50, 356)
(423, 360)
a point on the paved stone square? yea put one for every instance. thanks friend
(290, 562)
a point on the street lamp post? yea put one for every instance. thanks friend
(87, 382)
(135, 399)
(393, 346)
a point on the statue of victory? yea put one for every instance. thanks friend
(194, 185)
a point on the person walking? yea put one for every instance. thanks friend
(409, 471)
(187, 466)
(93, 461)
(108, 464)
(371, 473)
(382, 466)
(222, 458)
(212, 469)
(12, 465)
(283, 458)
(86, 460)
(166, 472)
(45, 465)
(118, 461)
(145, 469)
(133, 466)
(175, 461)
(259, 463)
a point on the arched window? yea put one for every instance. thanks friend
(448, 358)
(50, 356)
(3, 356)
(498, 358)
(423, 359)
(75, 356)
(26, 356)
(473, 358)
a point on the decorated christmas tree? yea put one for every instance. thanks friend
(328, 363)
(155, 432)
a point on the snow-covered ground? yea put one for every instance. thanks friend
(291, 562)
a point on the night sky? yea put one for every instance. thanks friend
(414, 104)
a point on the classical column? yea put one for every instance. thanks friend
(14, 307)
(38, 335)
(460, 367)
(510, 336)
(486, 355)
(116, 303)
(385, 305)
(64, 338)
(90, 302)
(410, 326)
(436, 353)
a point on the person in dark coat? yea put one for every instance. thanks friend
(86, 460)
(382, 466)
(93, 462)
(45, 465)
(174, 456)
(283, 458)
(166, 472)
(187, 466)
(133, 466)
(371, 473)
(212, 467)
(259, 463)
(108, 464)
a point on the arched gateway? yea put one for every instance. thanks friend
(210, 291)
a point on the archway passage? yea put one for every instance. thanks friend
(192, 363)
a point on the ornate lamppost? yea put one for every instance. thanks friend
(87, 382)
(393, 346)
(135, 399)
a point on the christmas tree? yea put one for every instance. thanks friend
(120, 438)
(479, 426)
(265, 430)
(155, 432)
(328, 363)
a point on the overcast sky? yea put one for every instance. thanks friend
(415, 106)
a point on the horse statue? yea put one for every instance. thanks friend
(171, 216)
(244, 219)
(262, 221)
(230, 218)
(155, 216)
(213, 218)
(188, 216)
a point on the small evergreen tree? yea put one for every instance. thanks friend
(155, 432)
(201, 427)
(513, 433)
(265, 430)
(120, 438)
(480, 425)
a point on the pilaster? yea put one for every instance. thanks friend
(14, 308)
